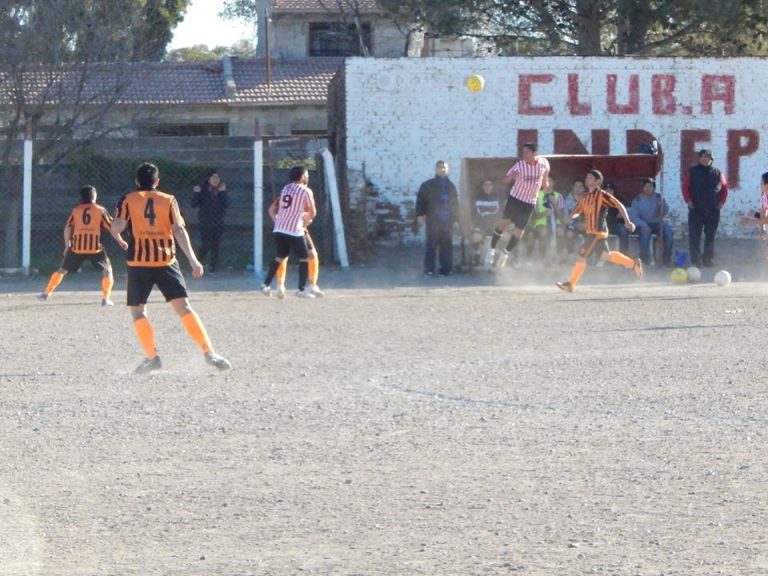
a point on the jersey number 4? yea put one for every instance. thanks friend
(149, 211)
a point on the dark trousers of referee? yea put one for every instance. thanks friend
(440, 242)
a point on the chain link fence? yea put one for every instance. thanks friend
(184, 163)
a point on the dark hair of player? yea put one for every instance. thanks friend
(87, 194)
(296, 173)
(147, 175)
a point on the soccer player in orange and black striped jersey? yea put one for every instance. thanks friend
(82, 241)
(155, 222)
(593, 206)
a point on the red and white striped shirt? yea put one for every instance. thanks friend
(528, 179)
(295, 199)
(763, 202)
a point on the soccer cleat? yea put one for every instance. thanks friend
(637, 268)
(106, 302)
(304, 294)
(217, 360)
(501, 261)
(43, 297)
(565, 286)
(266, 290)
(313, 289)
(281, 293)
(490, 256)
(149, 365)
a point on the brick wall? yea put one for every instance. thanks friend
(404, 114)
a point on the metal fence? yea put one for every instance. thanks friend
(183, 162)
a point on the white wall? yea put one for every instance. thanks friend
(404, 114)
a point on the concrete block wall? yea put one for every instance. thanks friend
(404, 114)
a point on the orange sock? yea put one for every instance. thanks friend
(314, 270)
(620, 259)
(54, 281)
(146, 335)
(106, 286)
(577, 271)
(281, 272)
(194, 327)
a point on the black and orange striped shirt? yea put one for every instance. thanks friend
(85, 223)
(594, 207)
(151, 216)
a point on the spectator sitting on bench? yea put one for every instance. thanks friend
(647, 212)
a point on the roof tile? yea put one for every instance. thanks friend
(140, 83)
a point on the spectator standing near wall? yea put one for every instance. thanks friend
(211, 200)
(437, 206)
(705, 191)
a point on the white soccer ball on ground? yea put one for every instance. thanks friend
(723, 278)
(694, 274)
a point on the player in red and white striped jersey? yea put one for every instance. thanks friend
(527, 177)
(293, 212)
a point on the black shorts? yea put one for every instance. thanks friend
(594, 245)
(141, 280)
(287, 244)
(72, 261)
(518, 212)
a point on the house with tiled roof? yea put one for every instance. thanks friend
(230, 97)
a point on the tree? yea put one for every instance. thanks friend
(599, 27)
(53, 82)
(201, 52)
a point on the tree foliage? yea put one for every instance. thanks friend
(49, 52)
(598, 27)
(201, 52)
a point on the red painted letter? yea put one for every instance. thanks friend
(525, 106)
(721, 88)
(577, 108)
(690, 141)
(663, 94)
(740, 143)
(633, 106)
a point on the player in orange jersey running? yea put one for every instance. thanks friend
(82, 241)
(155, 222)
(593, 206)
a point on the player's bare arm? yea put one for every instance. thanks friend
(272, 211)
(509, 180)
(67, 237)
(182, 239)
(625, 215)
(118, 226)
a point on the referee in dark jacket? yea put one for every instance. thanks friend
(704, 191)
(438, 204)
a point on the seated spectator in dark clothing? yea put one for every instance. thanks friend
(486, 211)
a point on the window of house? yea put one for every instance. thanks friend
(337, 39)
(203, 129)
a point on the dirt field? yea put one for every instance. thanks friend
(452, 427)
